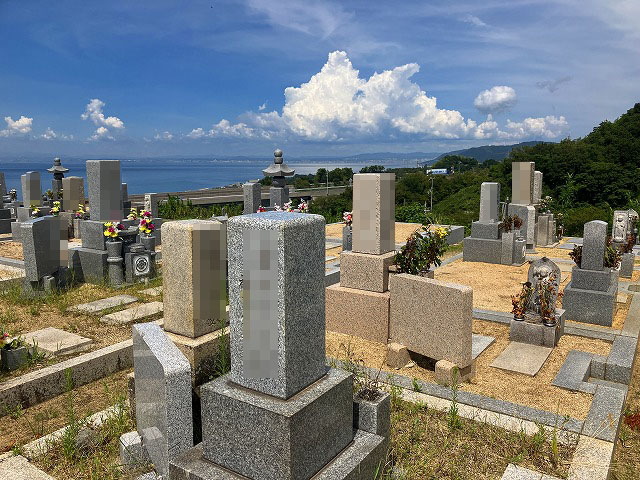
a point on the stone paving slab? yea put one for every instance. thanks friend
(133, 314)
(632, 322)
(575, 372)
(620, 360)
(154, 292)
(591, 459)
(514, 472)
(19, 468)
(104, 304)
(54, 341)
(479, 343)
(522, 358)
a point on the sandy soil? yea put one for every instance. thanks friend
(11, 249)
(403, 230)
(514, 387)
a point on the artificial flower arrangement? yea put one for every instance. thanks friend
(55, 210)
(521, 300)
(547, 291)
(146, 223)
(347, 218)
(303, 207)
(287, 207)
(81, 213)
(422, 250)
(133, 214)
(35, 211)
(277, 208)
(112, 230)
(261, 209)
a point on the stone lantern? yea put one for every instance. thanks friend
(278, 170)
(58, 174)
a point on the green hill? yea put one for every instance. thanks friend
(486, 152)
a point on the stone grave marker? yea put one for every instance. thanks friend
(44, 244)
(522, 182)
(31, 190)
(537, 186)
(594, 244)
(252, 194)
(105, 197)
(73, 193)
(163, 395)
(489, 202)
(373, 213)
(151, 203)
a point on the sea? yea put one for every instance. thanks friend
(181, 174)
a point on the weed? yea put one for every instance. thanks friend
(222, 355)
(68, 441)
(416, 385)
(453, 418)
(34, 310)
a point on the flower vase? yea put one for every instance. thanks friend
(149, 242)
(14, 358)
(115, 261)
(347, 235)
(518, 318)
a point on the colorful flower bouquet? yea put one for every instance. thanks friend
(112, 230)
(146, 223)
(347, 218)
(133, 214)
(35, 211)
(55, 210)
(81, 213)
(261, 209)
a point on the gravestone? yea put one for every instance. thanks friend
(105, 197)
(537, 186)
(594, 244)
(31, 191)
(126, 203)
(3, 186)
(252, 194)
(522, 182)
(542, 230)
(194, 290)
(590, 296)
(620, 228)
(373, 213)
(489, 202)
(46, 257)
(151, 203)
(73, 193)
(163, 396)
(280, 414)
(262, 357)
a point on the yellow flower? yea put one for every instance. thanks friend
(441, 232)
(106, 233)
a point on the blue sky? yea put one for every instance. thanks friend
(140, 78)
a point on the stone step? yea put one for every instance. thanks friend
(154, 292)
(54, 341)
(133, 314)
(104, 304)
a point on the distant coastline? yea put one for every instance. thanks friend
(181, 174)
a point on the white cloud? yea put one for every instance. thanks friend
(105, 125)
(496, 99)
(21, 126)
(337, 105)
(163, 136)
(263, 106)
(542, 127)
(50, 134)
(472, 19)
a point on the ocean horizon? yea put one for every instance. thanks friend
(159, 175)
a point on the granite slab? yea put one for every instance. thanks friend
(103, 304)
(133, 314)
(54, 341)
(522, 358)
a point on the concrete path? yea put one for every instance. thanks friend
(104, 304)
(133, 314)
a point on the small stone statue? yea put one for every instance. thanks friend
(544, 276)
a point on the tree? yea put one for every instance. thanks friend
(321, 175)
(372, 169)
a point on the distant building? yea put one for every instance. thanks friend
(437, 171)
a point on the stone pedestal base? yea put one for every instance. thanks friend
(345, 313)
(590, 306)
(89, 265)
(537, 333)
(626, 266)
(364, 456)
(365, 271)
(203, 353)
(448, 373)
(260, 436)
(5, 225)
(482, 250)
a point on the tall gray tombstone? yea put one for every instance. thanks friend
(537, 186)
(151, 203)
(522, 182)
(252, 193)
(489, 202)
(163, 395)
(125, 192)
(277, 335)
(105, 196)
(374, 204)
(31, 191)
(44, 244)
(72, 193)
(594, 244)
(3, 185)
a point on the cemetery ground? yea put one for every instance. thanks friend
(426, 441)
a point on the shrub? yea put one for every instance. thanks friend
(422, 250)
